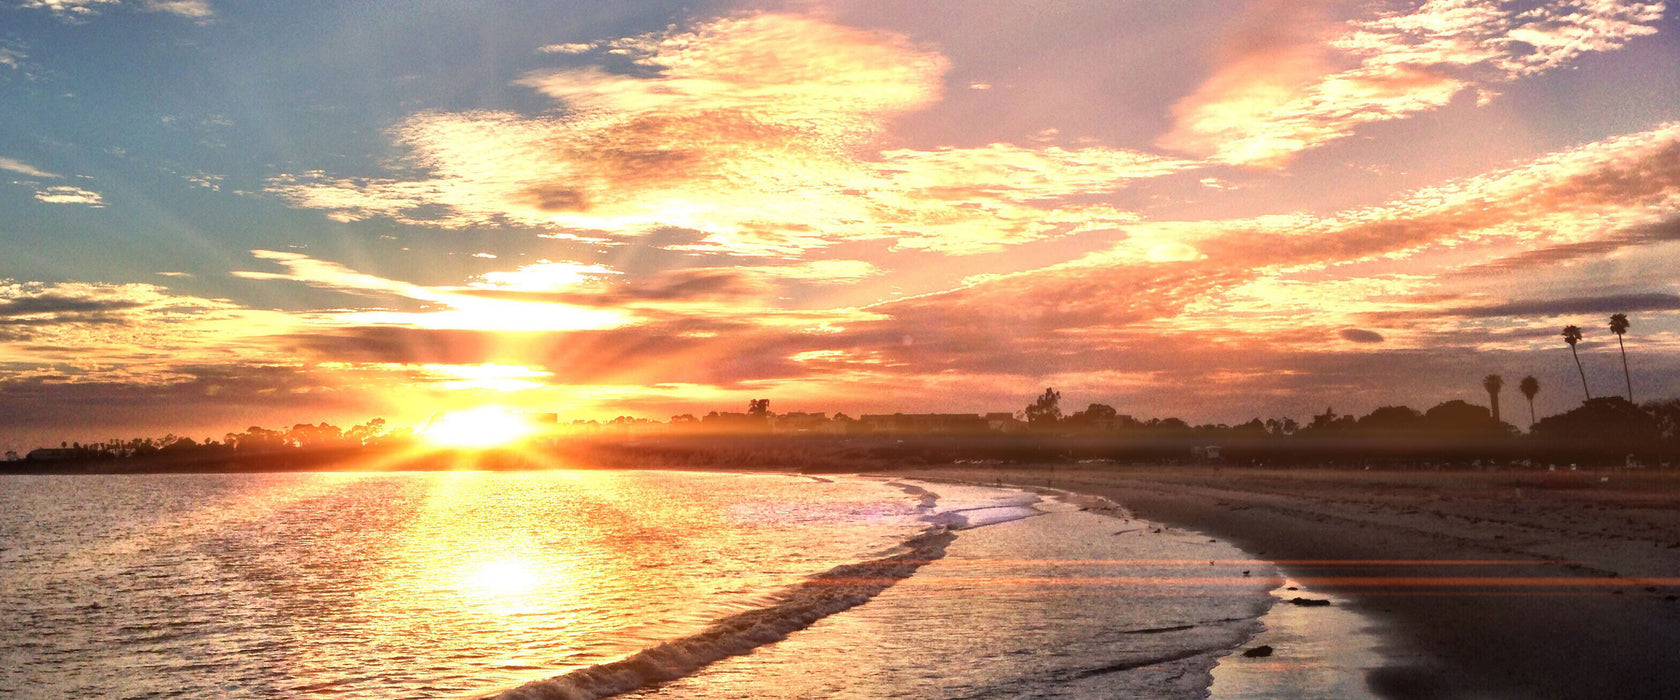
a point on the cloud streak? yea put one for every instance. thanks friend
(22, 168)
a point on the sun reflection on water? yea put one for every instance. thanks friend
(382, 583)
(501, 578)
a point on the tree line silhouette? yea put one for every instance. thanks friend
(1606, 430)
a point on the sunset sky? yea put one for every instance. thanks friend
(219, 214)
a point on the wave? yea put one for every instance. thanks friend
(801, 605)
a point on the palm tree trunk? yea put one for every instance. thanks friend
(1531, 414)
(1625, 374)
(1583, 372)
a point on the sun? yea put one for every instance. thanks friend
(488, 426)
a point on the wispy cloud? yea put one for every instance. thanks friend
(563, 295)
(756, 132)
(1514, 39)
(451, 307)
(573, 47)
(195, 9)
(22, 168)
(68, 9)
(12, 56)
(51, 194)
(83, 9)
(1304, 81)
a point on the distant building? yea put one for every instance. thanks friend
(1004, 422)
(802, 424)
(54, 454)
(733, 422)
(923, 423)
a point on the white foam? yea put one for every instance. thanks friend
(981, 517)
(1070, 603)
(835, 590)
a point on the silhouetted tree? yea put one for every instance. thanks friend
(1046, 409)
(1328, 422)
(1604, 429)
(1572, 335)
(1619, 325)
(258, 439)
(759, 408)
(304, 435)
(179, 445)
(1493, 383)
(1390, 421)
(1095, 416)
(1167, 425)
(1529, 386)
(1099, 411)
(366, 432)
(1666, 413)
(1457, 418)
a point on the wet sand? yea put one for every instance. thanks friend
(1492, 584)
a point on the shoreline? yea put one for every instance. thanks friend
(1311, 651)
(1315, 651)
(1494, 585)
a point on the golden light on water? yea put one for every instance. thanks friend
(507, 577)
(487, 426)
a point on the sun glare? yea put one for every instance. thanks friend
(502, 578)
(480, 427)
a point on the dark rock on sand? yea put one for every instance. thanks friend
(1262, 650)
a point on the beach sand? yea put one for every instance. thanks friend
(1490, 584)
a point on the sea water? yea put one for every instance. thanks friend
(568, 584)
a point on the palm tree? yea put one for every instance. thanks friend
(1572, 335)
(1493, 383)
(1619, 325)
(1529, 386)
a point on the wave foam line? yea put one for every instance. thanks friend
(801, 605)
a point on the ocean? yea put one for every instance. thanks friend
(585, 584)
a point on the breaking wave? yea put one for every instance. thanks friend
(801, 605)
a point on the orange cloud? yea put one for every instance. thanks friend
(1245, 279)
(1172, 301)
(1268, 102)
(760, 133)
(143, 333)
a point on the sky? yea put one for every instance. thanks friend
(216, 214)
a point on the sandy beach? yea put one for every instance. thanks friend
(1490, 584)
